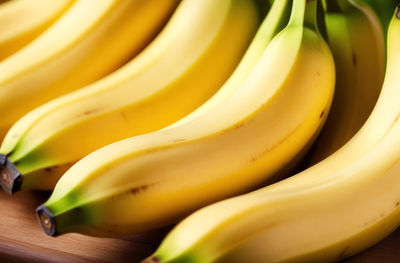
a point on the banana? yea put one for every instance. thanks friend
(360, 70)
(145, 95)
(21, 21)
(273, 23)
(90, 40)
(384, 10)
(154, 179)
(324, 214)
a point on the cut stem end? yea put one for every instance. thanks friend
(10, 177)
(46, 220)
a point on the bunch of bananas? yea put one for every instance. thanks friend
(137, 113)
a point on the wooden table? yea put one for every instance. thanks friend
(22, 240)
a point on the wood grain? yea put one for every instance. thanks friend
(22, 240)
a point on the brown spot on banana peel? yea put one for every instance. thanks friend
(398, 11)
(139, 189)
(322, 114)
(88, 112)
(354, 58)
(397, 204)
(49, 169)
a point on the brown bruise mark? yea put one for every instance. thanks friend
(397, 204)
(322, 114)
(344, 252)
(318, 73)
(92, 111)
(88, 112)
(139, 189)
(179, 140)
(354, 57)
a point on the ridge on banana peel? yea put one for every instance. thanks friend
(90, 40)
(23, 20)
(155, 179)
(309, 217)
(360, 70)
(145, 95)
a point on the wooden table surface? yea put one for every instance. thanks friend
(22, 240)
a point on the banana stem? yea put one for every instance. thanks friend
(10, 177)
(314, 17)
(298, 10)
(46, 220)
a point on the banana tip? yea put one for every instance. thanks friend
(46, 220)
(10, 177)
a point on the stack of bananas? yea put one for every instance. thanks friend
(137, 113)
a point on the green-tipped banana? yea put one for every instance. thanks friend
(360, 70)
(155, 179)
(329, 212)
(145, 95)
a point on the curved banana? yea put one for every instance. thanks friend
(276, 19)
(90, 40)
(311, 217)
(384, 10)
(145, 95)
(23, 20)
(154, 179)
(360, 70)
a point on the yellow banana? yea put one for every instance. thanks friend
(145, 95)
(154, 179)
(326, 213)
(360, 70)
(90, 40)
(23, 20)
